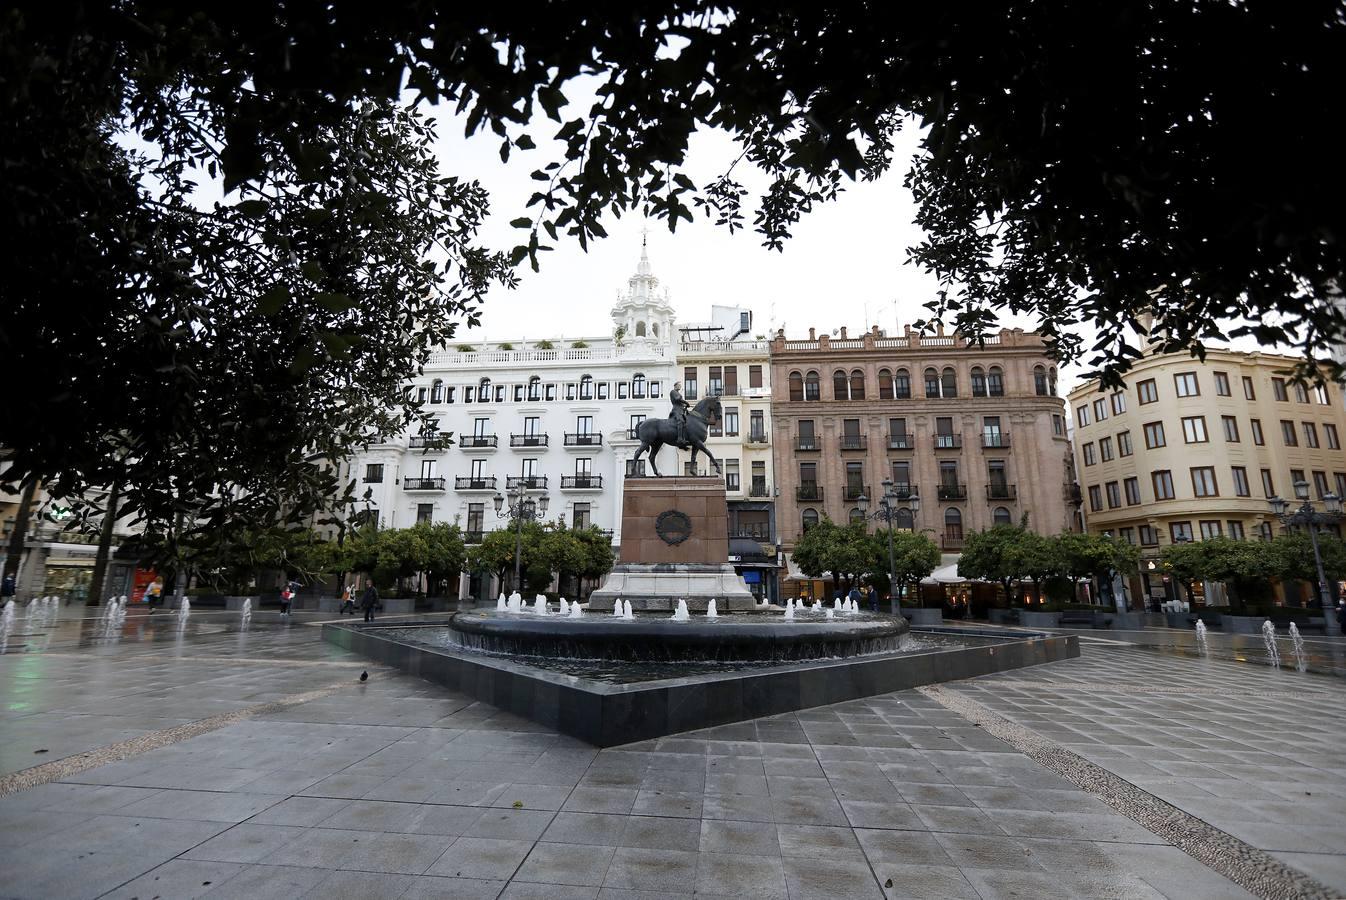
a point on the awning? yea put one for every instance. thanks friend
(945, 575)
(796, 575)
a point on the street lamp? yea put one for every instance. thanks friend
(521, 507)
(886, 513)
(1311, 518)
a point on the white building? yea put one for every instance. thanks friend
(554, 417)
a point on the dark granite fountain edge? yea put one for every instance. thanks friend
(607, 715)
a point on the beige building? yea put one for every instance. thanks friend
(978, 433)
(1192, 449)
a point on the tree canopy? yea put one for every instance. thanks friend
(1077, 163)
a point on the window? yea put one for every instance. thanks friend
(902, 385)
(931, 383)
(1163, 484)
(796, 382)
(978, 382)
(851, 439)
(731, 380)
(885, 384)
(1194, 429)
(1255, 425)
(1089, 458)
(1114, 493)
(1340, 478)
(857, 384)
(1296, 476)
(623, 390)
(425, 512)
(1235, 529)
(587, 387)
(374, 473)
(1132, 487)
(949, 382)
(1288, 433)
(1149, 536)
(855, 480)
(995, 382)
(1203, 481)
(808, 518)
(1320, 393)
(635, 468)
(638, 386)
(636, 419)
(1105, 449)
(757, 426)
(1310, 435)
(754, 376)
(758, 478)
(422, 394)
(437, 391)
(1095, 498)
(1180, 532)
(580, 516)
(731, 421)
(1100, 410)
(1240, 475)
(468, 393)
(1123, 443)
(428, 467)
(1320, 484)
(1330, 435)
(1154, 435)
(1147, 392)
(1249, 392)
(584, 425)
(1186, 385)
(1278, 388)
(550, 392)
(484, 391)
(602, 390)
(499, 393)
(476, 518)
(1231, 428)
(731, 480)
(1118, 403)
(1268, 488)
(715, 382)
(902, 476)
(1210, 528)
(841, 388)
(812, 391)
(1222, 384)
(944, 436)
(1128, 535)
(1040, 381)
(1301, 393)
(570, 391)
(953, 525)
(689, 383)
(807, 439)
(998, 486)
(1058, 425)
(1082, 415)
(1001, 516)
(808, 481)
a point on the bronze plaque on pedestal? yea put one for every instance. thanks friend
(674, 520)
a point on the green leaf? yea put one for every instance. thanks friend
(333, 301)
(271, 300)
(521, 222)
(524, 142)
(253, 209)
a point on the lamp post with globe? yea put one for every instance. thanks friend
(521, 507)
(887, 513)
(1311, 518)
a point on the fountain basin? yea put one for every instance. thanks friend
(748, 638)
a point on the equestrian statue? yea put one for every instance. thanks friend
(686, 428)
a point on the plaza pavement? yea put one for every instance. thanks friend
(257, 765)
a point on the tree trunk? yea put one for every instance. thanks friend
(16, 539)
(104, 545)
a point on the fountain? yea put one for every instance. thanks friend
(246, 611)
(789, 609)
(836, 604)
(184, 610)
(565, 607)
(681, 614)
(1301, 662)
(710, 610)
(831, 613)
(626, 610)
(540, 605)
(1201, 647)
(575, 610)
(817, 605)
(1269, 638)
(501, 604)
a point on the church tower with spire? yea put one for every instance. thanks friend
(643, 315)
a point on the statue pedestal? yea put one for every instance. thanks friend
(675, 545)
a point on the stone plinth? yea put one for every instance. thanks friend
(675, 545)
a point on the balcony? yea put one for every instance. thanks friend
(808, 445)
(809, 491)
(952, 491)
(527, 482)
(756, 531)
(423, 484)
(853, 442)
(732, 485)
(995, 440)
(853, 491)
(903, 490)
(525, 441)
(901, 442)
(759, 488)
(951, 542)
(472, 537)
(478, 442)
(581, 482)
(757, 437)
(948, 441)
(474, 483)
(429, 442)
(587, 439)
(1000, 492)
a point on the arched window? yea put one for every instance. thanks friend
(1040, 380)
(903, 520)
(995, 382)
(953, 524)
(902, 385)
(812, 389)
(1051, 380)
(857, 384)
(535, 388)
(949, 382)
(931, 383)
(484, 391)
(840, 386)
(885, 384)
(437, 391)
(1001, 516)
(638, 385)
(809, 518)
(857, 516)
(978, 382)
(654, 329)
(587, 387)
(796, 387)
(640, 329)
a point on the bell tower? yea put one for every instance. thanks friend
(643, 311)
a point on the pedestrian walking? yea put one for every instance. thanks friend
(287, 595)
(855, 597)
(348, 600)
(369, 600)
(873, 598)
(154, 593)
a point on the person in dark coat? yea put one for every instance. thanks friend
(369, 599)
(873, 598)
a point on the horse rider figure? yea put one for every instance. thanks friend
(679, 414)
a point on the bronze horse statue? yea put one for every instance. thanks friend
(654, 433)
